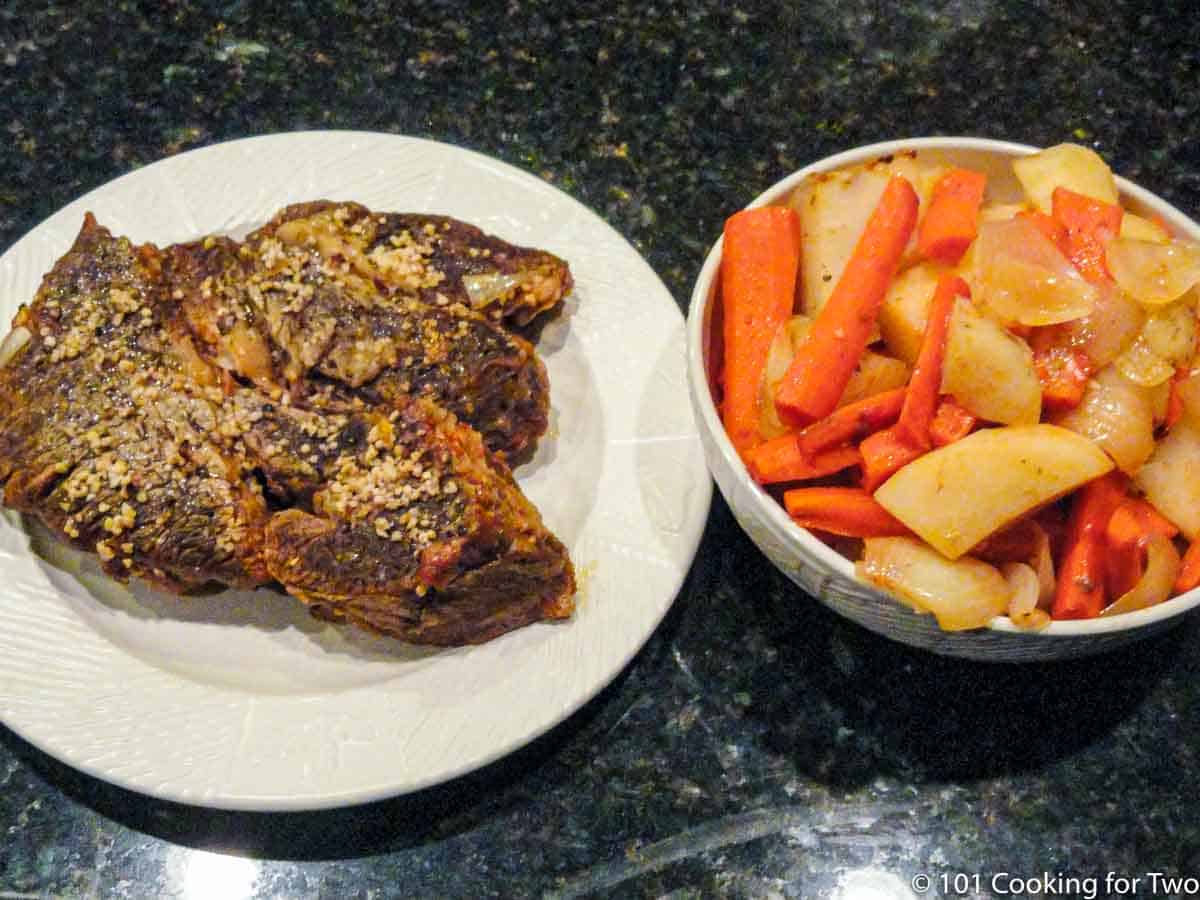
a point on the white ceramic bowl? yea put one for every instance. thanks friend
(815, 567)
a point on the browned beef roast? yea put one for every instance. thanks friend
(403, 523)
(432, 257)
(378, 306)
(107, 427)
(379, 509)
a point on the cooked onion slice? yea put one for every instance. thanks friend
(1116, 414)
(1162, 567)
(1023, 608)
(12, 344)
(779, 357)
(1112, 325)
(1043, 565)
(1170, 332)
(1167, 340)
(1141, 365)
(1154, 273)
(486, 287)
(1022, 276)
(964, 593)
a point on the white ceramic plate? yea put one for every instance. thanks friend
(240, 700)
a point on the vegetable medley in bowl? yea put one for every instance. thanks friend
(964, 375)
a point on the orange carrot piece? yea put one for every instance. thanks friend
(888, 450)
(1062, 370)
(781, 460)
(1125, 534)
(951, 423)
(1053, 229)
(1137, 515)
(883, 454)
(951, 220)
(1090, 225)
(851, 422)
(759, 264)
(1080, 591)
(1063, 373)
(1189, 571)
(841, 510)
(920, 403)
(825, 360)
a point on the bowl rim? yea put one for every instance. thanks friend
(777, 518)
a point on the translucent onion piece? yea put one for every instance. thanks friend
(1023, 605)
(1115, 414)
(484, 287)
(875, 374)
(1113, 324)
(1154, 273)
(964, 593)
(1169, 478)
(1141, 365)
(1162, 567)
(1023, 278)
(1072, 166)
(12, 344)
(1001, 212)
(1137, 228)
(779, 357)
(1170, 331)
(1043, 565)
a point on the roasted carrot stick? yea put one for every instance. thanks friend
(952, 218)
(883, 454)
(1080, 593)
(781, 460)
(920, 403)
(851, 422)
(759, 264)
(841, 510)
(1138, 516)
(831, 350)
(1062, 370)
(1090, 225)
(1063, 373)
(1125, 536)
(951, 423)
(888, 450)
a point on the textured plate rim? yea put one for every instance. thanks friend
(652, 291)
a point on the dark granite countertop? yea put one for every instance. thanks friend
(758, 746)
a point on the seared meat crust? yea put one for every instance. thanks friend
(146, 422)
(457, 261)
(376, 304)
(415, 532)
(106, 433)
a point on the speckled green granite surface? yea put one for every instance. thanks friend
(758, 746)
